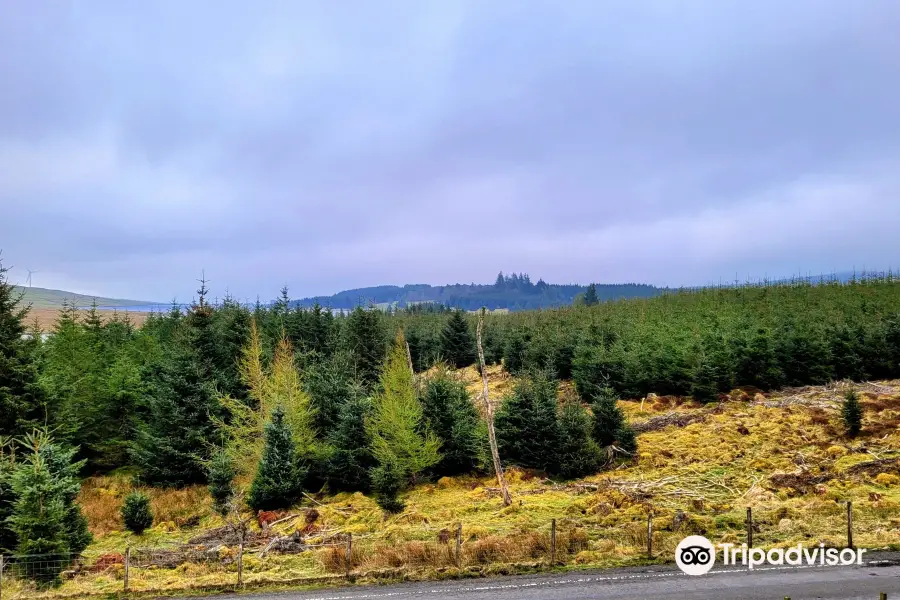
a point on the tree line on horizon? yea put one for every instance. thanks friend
(224, 394)
(514, 292)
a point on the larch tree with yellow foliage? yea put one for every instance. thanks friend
(278, 385)
(402, 444)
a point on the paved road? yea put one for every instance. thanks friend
(881, 573)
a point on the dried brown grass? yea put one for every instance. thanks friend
(101, 501)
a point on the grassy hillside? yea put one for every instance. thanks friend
(514, 292)
(45, 298)
(699, 468)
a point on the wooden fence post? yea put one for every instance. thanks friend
(650, 535)
(553, 542)
(1, 576)
(849, 524)
(459, 546)
(127, 565)
(749, 527)
(240, 564)
(349, 553)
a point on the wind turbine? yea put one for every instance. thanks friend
(30, 273)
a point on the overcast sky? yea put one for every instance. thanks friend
(331, 145)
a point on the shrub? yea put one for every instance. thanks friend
(136, 513)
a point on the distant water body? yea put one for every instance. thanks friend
(145, 308)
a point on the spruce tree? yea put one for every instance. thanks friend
(173, 445)
(366, 337)
(527, 428)
(388, 480)
(22, 401)
(757, 362)
(66, 471)
(514, 352)
(457, 341)
(7, 535)
(452, 417)
(579, 454)
(45, 517)
(330, 383)
(845, 346)
(279, 477)
(851, 412)
(610, 429)
(221, 481)
(351, 460)
(704, 387)
(402, 443)
(39, 520)
(590, 296)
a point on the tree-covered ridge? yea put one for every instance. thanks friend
(511, 292)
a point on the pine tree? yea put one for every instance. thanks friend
(851, 412)
(452, 417)
(579, 454)
(279, 477)
(528, 432)
(351, 460)
(590, 296)
(137, 516)
(457, 342)
(366, 338)
(221, 481)
(22, 401)
(402, 444)
(611, 430)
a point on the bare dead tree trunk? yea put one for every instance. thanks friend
(495, 454)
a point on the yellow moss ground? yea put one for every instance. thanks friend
(782, 455)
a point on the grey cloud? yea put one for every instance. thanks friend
(332, 146)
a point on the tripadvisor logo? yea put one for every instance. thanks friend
(696, 555)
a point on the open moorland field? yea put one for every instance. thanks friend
(46, 317)
(699, 468)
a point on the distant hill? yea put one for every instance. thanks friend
(44, 298)
(512, 292)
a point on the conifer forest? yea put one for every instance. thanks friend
(284, 402)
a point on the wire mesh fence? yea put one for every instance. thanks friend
(226, 562)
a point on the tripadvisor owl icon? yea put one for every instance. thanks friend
(695, 555)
